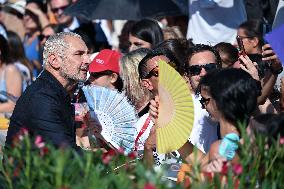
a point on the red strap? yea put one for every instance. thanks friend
(143, 129)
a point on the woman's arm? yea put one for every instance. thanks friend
(270, 78)
(13, 85)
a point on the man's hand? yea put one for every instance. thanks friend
(154, 107)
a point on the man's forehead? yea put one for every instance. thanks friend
(202, 58)
(153, 62)
(76, 43)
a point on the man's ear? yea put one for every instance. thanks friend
(53, 61)
(114, 77)
(147, 84)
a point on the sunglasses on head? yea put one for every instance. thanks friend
(196, 69)
(153, 72)
(55, 10)
(204, 102)
(42, 37)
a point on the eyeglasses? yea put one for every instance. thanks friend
(42, 37)
(154, 72)
(204, 102)
(55, 10)
(196, 69)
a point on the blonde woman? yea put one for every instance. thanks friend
(138, 95)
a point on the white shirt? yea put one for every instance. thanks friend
(159, 159)
(74, 25)
(204, 131)
(214, 21)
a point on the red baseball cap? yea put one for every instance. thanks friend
(106, 60)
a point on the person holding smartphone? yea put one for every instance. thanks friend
(250, 34)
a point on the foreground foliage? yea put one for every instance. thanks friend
(32, 163)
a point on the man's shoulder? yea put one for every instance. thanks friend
(39, 92)
(41, 87)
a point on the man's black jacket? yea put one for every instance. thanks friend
(45, 109)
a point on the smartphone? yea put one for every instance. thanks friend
(266, 28)
(241, 46)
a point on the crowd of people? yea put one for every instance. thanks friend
(43, 69)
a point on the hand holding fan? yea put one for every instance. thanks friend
(176, 111)
(115, 115)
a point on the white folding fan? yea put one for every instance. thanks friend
(115, 115)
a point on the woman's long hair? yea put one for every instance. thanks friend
(130, 76)
(17, 50)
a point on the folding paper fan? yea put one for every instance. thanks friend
(176, 111)
(115, 114)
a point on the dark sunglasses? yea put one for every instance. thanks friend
(196, 69)
(55, 10)
(204, 102)
(154, 72)
(42, 37)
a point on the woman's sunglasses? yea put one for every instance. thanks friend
(55, 10)
(154, 72)
(196, 69)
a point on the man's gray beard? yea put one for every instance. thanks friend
(73, 78)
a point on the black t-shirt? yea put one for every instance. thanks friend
(45, 109)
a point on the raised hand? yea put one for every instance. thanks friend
(249, 66)
(154, 107)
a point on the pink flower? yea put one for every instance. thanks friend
(107, 157)
(39, 141)
(43, 151)
(20, 135)
(149, 186)
(281, 141)
(132, 155)
(120, 150)
(24, 131)
(237, 169)
(224, 168)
